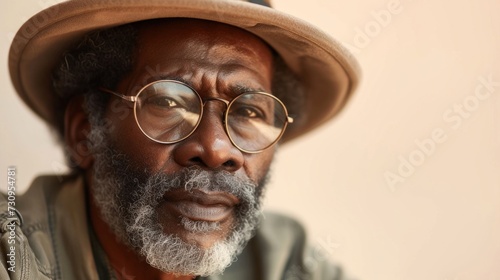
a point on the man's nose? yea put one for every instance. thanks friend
(209, 146)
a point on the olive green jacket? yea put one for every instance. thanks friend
(51, 239)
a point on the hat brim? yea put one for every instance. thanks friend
(328, 72)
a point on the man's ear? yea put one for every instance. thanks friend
(76, 130)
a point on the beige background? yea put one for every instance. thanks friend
(440, 219)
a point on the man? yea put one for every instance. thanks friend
(170, 112)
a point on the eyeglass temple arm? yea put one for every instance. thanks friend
(125, 97)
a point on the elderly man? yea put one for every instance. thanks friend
(170, 112)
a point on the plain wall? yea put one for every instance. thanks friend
(415, 119)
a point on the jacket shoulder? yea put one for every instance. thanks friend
(279, 250)
(22, 239)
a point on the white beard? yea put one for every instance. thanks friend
(128, 202)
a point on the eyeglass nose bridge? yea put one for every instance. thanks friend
(205, 100)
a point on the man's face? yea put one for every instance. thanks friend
(201, 194)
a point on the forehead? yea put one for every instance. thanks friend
(194, 48)
(180, 32)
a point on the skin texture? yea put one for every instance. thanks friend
(217, 61)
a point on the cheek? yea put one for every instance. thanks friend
(129, 139)
(257, 165)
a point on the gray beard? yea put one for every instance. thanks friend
(128, 198)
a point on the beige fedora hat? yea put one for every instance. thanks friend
(328, 72)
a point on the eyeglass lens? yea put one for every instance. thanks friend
(169, 111)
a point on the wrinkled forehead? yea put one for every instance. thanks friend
(175, 35)
(197, 50)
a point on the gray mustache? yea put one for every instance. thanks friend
(196, 178)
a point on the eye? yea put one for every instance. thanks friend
(246, 111)
(163, 102)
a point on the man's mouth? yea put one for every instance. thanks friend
(200, 205)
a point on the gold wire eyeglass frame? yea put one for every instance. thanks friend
(202, 105)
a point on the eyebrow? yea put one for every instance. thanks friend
(237, 88)
(169, 77)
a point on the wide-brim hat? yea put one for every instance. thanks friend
(327, 71)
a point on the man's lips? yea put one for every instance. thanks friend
(201, 206)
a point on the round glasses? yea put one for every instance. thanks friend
(169, 111)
